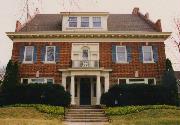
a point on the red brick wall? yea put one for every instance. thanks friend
(128, 70)
(119, 70)
(46, 70)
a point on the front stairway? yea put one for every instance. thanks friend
(85, 114)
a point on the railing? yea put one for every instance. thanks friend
(85, 63)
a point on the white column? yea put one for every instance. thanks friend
(98, 90)
(72, 90)
(106, 82)
(64, 81)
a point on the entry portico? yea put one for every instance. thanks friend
(77, 81)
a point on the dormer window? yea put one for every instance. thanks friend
(72, 21)
(84, 21)
(96, 21)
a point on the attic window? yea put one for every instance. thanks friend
(72, 21)
(84, 21)
(96, 21)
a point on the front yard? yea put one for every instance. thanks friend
(128, 115)
(28, 115)
(146, 115)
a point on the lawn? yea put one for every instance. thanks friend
(145, 116)
(28, 116)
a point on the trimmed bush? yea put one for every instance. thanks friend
(52, 94)
(136, 94)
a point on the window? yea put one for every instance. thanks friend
(121, 54)
(37, 80)
(147, 54)
(25, 81)
(72, 21)
(122, 81)
(28, 54)
(49, 81)
(85, 54)
(50, 54)
(84, 21)
(96, 21)
(149, 81)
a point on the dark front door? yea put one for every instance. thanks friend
(85, 91)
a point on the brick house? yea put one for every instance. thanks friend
(87, 52)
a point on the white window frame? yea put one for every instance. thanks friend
(118, 61)
(45, 80)
(85, 22)
(24, 59)
(46, 61)
(152, 61)
(145, 80)
(97, 22)
(73, 22)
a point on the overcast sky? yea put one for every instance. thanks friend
(12, 10)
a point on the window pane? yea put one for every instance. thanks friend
(151, 82)
(28, 54)
(122, 81)
(121, 54)
(147, 57)
(37, 80)
(50, 81)
(84, 21)
(72, 21)
(85, 54)
(96, 21)
(50, 53)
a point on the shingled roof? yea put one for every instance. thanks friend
(115, 22)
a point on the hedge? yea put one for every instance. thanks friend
(134, 109)
(137, 94)
(53, 110)
(52, 94)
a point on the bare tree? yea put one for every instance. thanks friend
(176, 36)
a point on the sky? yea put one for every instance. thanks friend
(12, 10)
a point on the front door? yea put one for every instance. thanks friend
(85, 91)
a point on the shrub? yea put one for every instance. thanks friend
(135, 94)
(52, 94)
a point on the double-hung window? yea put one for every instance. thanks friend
(84, 21)
(121, 54)
(96, 21)
(147, 54)
(72, 21)
(50, 54)
(28, 54)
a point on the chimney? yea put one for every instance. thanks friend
(146, 16)
(18, 26)
(135, 11)
(158, 25)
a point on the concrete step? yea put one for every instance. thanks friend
(81, 117)
(87, 120)
(86, 115)
(85, 110)
(85, 107)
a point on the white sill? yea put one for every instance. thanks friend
(149, 62)
(49, 62)
(122, 62)
(27, 62)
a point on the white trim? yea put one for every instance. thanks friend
(24, 59)
(152, 61)
(45, 79)
(145, 80)
(119, 61)
(54, 61)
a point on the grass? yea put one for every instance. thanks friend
(149, 116)
(29, 115)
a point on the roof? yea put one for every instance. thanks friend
(115, 22)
